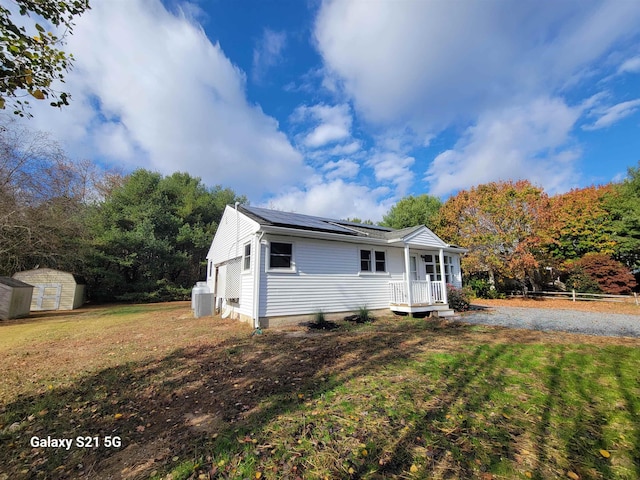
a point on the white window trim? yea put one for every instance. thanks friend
(433, 277)
(291, 269)
(413, 262)
(452, 266)
(364, 273)
(244, 246)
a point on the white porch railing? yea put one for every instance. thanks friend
(422, 292)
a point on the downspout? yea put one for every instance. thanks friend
(442, 276)
(237, 229)
(257, 272)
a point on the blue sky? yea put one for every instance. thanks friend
(340, 108)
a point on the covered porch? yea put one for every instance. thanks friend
(426, 274)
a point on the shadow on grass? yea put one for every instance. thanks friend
(222, 397)
(173, 407)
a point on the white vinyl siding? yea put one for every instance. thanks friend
(425, 238)
(228, 241)
(328, 278)
(235, 231)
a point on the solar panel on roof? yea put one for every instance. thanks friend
(298, 220)
(364, 225)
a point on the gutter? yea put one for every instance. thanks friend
(294, 232)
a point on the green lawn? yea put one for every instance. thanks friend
(398, 398)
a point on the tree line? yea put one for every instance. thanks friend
(520, 237)
(145, 236)
(136, 237)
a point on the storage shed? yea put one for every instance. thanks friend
(53, 289)
(15, 298)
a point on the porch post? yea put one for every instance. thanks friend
(407, 272)
(442, 276)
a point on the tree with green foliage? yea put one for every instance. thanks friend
(624, 205)
(358, 220)
(151, 236)
(579, 222)
(411, 211)
(32, 59)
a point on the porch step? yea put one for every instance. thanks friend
(444, 313)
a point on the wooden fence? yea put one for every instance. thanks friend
(580, 296)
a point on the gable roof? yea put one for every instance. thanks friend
(297, 221)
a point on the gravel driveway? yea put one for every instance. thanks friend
(589, 323)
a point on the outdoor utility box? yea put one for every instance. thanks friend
(201, 300)
(15, 298)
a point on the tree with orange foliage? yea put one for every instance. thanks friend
(500, 224)
(579, 223)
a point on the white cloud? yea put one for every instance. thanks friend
(614, 114)
(341, 169)
(336, 199)
(268, 53)
(434, 63)
(631, 65)
(345, 149)
(523, 142)
(331, 123)
(155, 83)
(395, 168)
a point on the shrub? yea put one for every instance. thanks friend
(482, 289)
(580, 281)
(320, 322)
(600, 271)
(458, 298)
(364, 314)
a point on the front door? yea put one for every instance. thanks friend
(432, 268)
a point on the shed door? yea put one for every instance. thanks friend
(48, 296)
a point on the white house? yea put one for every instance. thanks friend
(272, 268)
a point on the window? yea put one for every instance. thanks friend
(432, 268)
(246, 262)
(365, 260)
(280, 255)
(432, 265)
(413, 265)
(380, 262)
(449, 270)
(370, 260)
